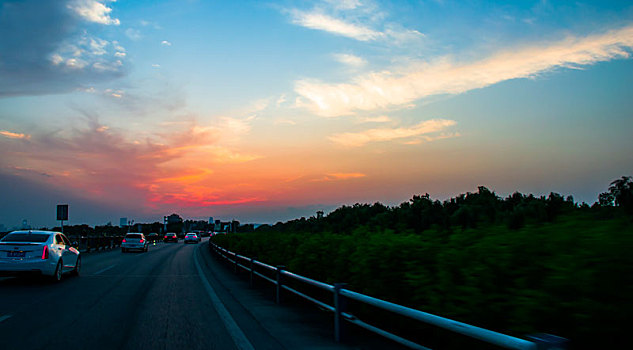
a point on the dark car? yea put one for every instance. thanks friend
(153, 237)
(170, 237)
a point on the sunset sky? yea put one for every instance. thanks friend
(265, 111)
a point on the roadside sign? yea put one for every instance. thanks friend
(62, 212)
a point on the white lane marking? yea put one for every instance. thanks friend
(104, 270)
(240, 340)
(5, 317)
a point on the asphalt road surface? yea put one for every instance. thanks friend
(175, 296)
(167, 298)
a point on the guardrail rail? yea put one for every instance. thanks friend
(278, 274)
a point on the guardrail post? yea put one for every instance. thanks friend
(252, 273)
(279, 269)
(339, 307)
(546, 341)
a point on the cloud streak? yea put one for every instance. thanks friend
(14, 135)
(358, 139)
(398, 87)
(350, 60)
(354, 20)
(321, 21)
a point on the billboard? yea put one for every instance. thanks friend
(62, 212)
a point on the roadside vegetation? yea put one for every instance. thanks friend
(518, 265)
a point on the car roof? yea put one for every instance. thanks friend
(35, 231)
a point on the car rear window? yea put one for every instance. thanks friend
(136, 236)
(26, 237)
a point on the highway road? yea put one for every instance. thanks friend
(172, 297)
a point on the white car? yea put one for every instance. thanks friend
(41, 252)
(134, 240)
(192, 238)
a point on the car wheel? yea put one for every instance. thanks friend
(77, 269)
(57, 276)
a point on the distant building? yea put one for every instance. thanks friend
(211, 220)
(122, 222)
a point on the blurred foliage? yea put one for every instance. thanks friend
(517, 265)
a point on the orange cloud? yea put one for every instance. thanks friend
(13, 135)
(344, 176)
(100, 162)
(357, 139)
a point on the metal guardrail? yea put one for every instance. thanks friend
(536, 342)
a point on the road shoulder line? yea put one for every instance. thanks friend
(239, 338)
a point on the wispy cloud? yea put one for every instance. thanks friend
(362, 21)
(165, 43)
(344, 176)
(321, 21)
(350, 60)
(357, 139)
(379, 119)
(398, 87)
(345, 4)
(14, 135)
(94, 11)
(134, 34)
(330, 177)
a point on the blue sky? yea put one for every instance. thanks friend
(266, 111)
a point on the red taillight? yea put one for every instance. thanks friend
(45, 253)
(123, 241)
(165, 236)
(142, 240)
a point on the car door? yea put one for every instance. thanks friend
(62, 251)
(70, 253)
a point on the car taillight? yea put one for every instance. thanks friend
(142, 240)
(165, 236)
(123, 241)
(45, 253)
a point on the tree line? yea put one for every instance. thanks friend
(519, 264)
